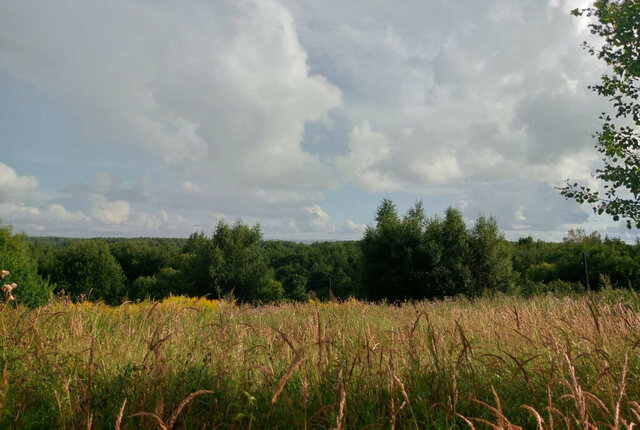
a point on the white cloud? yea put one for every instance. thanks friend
(574, 166)
(485, 102)
(368, 150)
(217, 90)
(12, 210)
(113, 212)
(12, 185)
(354, 227)
(318, 219)
(103, 219)
(23, 216)
(445, 102)
(57, 214)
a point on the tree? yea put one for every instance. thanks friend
(163, 283)
(455, 240)
(295, 287)
(491, 265)
(144, 257)
(413, 257)
(400, 254)
(383, 253)
(196, 266)
(618, 23)
(240, 265)
(15, 257)
(86, 267)
(232, 261)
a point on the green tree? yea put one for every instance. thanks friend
(549, 263)
(398, 262)
(295, 287)
(196, 267)
(144, 257)
(455, 242)
(239, 264)
(490, 257)
(618, 23)
(15, 257)
(163, 283)
(382, 250)
(86, 267)
(416, 258)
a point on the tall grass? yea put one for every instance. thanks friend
(501, 362)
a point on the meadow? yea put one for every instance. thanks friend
(494, 362)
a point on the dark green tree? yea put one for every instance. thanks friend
(196, 267)
(144, 257)
(455, 277)
(382, 251)
(397, 261)
(490, 256)
(323, 269)
(618, 23)
(158, 286)
(295, 287)
(239, 264)
(86, 267)
(543, 263)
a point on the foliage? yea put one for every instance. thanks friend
(87, 269)
(454, 270)
(394, 260)
(410, 257)
(158, 286)
(491, 265)
(544, 262)
(618, 24)
(323, 269)
(197, 261)
(413, 257)
(231, 262)
(144, 257)
(239, 264)
(15, 256)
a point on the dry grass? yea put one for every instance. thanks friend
(547, 362)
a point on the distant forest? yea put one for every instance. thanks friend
(409, 257)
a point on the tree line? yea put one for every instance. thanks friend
(400, 257)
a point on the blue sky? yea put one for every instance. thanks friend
(133, 118)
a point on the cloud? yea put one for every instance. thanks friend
(40, 219)
(368, 151)
(486, 102)
(354, 227)
(318, 219)
(106, 218)
(264, 109)
(89, 213)
(12, 185)
(113, 212)
(215, 90)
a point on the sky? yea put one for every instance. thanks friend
(161, 118)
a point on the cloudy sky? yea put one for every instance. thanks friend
(159, 118)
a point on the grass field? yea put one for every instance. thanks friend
(550, 362)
